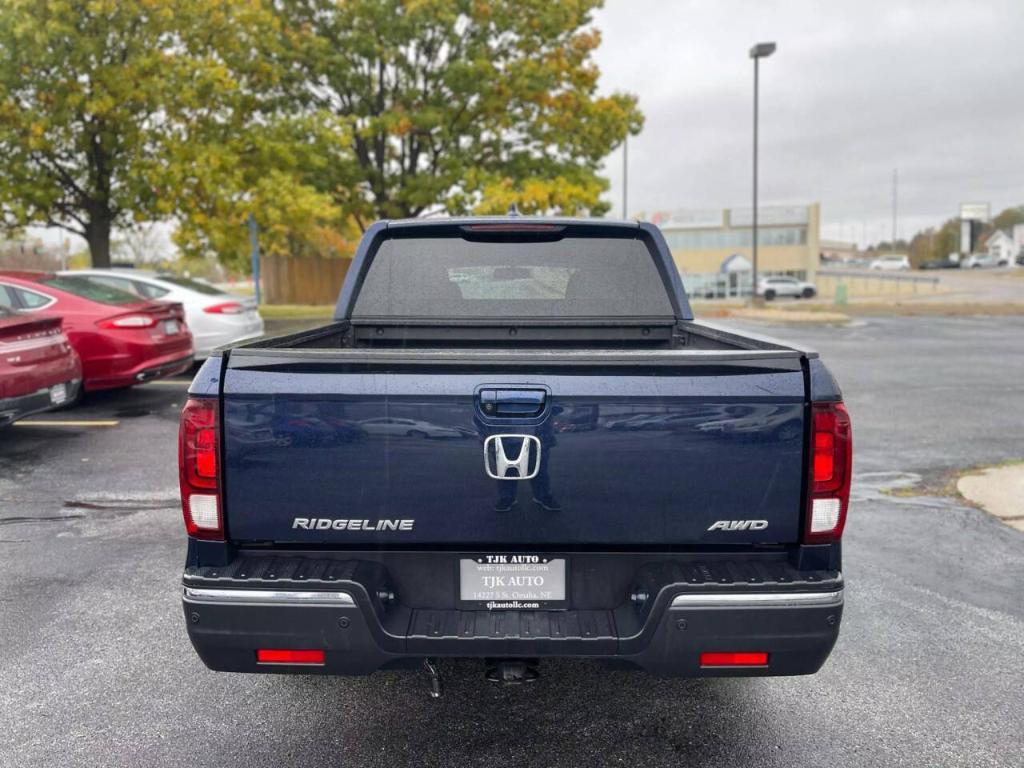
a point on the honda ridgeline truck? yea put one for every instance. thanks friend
(512, 443)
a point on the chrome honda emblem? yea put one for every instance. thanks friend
(501, 467)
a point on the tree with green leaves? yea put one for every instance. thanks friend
(114, 112)
(456, 106)
(316, 116)
(1008, 218)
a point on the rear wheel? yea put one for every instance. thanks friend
(769, 295)
(808, 293)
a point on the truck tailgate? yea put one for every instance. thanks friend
(342, 455)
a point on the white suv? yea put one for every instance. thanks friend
(890, 263)
(978, 260)
(772, 287)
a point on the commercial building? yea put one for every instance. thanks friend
(714, 248)
(1004, 246)
(838, 251)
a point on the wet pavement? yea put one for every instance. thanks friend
(96, 667)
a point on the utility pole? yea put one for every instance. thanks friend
(895, 205)
(254, 246)
(758, 52)
(625, 176)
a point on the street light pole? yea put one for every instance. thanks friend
(625, 175)
(758, 52)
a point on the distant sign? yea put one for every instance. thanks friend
(687, 218)
(975, 211)
(769, 215)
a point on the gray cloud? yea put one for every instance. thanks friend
(855, 90)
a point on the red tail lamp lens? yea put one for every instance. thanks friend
(288, 656)
(199, 479)
(831, 471)
(824, 456)
(225, 308)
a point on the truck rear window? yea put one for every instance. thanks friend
(575, 277)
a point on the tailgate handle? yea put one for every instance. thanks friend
(512, 402)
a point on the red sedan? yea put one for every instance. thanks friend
(121, 339)
(38, 368)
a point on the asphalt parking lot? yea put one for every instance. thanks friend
(96, 667)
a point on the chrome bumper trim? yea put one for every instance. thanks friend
(266, 597)
(757, 599)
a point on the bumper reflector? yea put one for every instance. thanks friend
(288, 656)
(746, 659)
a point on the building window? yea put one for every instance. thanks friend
(712, 239)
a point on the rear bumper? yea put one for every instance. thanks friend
(148, 370)
(796, 624)
(14, 408)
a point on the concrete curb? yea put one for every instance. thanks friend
(795, 316)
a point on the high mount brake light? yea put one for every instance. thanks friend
(128, 321)
(225, 308)
(198, 469)
(831, 463)
(513, 228)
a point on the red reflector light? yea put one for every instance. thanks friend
(744, 659)
(288, 656)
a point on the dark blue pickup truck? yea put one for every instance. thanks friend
(514, 442)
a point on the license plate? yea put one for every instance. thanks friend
(59, 394)
(512, 581)
(170, 327)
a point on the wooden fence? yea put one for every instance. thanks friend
(295, 280)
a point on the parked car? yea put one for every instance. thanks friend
(890, 263)
(946, 263)
(341, 557)
(397, 427)
(39, 370)
(981, 260)
(774, 287)
(215, 317)
(121, 339)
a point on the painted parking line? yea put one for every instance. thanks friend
(71, 423)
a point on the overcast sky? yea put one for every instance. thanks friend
(856, 89)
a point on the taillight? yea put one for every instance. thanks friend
(128, 321)
(199, 471)
(831, 465)
(226, 308)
